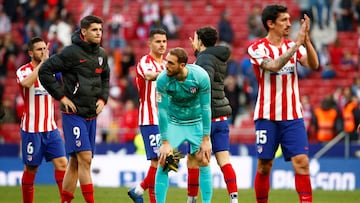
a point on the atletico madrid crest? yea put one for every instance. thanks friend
(78, 143)
(101, 60)
(193, 90)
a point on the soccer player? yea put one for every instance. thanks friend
(39, 134)
(278, 112)
(183, 96)
(213, 59)
(147, 71)
(84, 93)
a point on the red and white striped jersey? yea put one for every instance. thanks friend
(278, 96)
(38, 104)
(148, 113)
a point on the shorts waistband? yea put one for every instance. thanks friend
(221, 118)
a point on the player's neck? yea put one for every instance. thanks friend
(158, 58)
(275, 39)
(182, 75)
(34, 63)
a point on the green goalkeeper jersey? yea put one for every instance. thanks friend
(184, 102)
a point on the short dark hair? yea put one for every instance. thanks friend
(208, 35)
(159, 31)
(88, 20)
(33, 41)
(271, 12)
(180, 53)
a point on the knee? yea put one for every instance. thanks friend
(301, 163)
(60, 163)
(31, 169)
(264, 167)
(191, 161)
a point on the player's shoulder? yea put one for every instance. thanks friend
(162, 79)
(196, 69)
(24, 67)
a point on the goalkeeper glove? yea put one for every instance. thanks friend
(172, 161)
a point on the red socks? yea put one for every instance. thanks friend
(262, 187)
(88, 192)
(230, 178)
(149, 183)
(193, 182)
(59, 176)
(66, 197)
(27, 186)
(303, 188)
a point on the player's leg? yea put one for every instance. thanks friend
(195, 136)
(32, 157)
(70, 180)
(55, 151)
(220, 141)
(84, 164)
(262, 180)
(223, 161)
(295, 148)
(266, 146)
(161, 184)
(150, 136)
(176, 137)
(79, 143)
(84, 156)
(193, 178)
(205, 183)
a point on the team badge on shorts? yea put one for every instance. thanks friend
(259, 149)
(78, 143)
(29, 157)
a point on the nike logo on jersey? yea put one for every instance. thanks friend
(98, 70)
(82, 60)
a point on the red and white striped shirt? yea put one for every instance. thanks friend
(38, 104)
(278, 96)
(148, 113)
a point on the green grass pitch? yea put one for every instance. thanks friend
(49, 194)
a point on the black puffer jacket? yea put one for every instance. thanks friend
(85, 73)
(213, 60)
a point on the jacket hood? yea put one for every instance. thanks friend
(220, 52)
(78, 39)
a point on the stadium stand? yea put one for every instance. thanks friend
(194, 14)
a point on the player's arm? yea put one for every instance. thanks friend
(151, 75)
(275, 65)
(311, 59)
(55, 64)
(205, 101)
(206, 64)
(105, 78)
(162, 101)
(29, 80)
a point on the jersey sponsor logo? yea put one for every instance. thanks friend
(286, 70)
(40, 92)
(158, 97)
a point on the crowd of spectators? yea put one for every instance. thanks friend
(50, 19)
